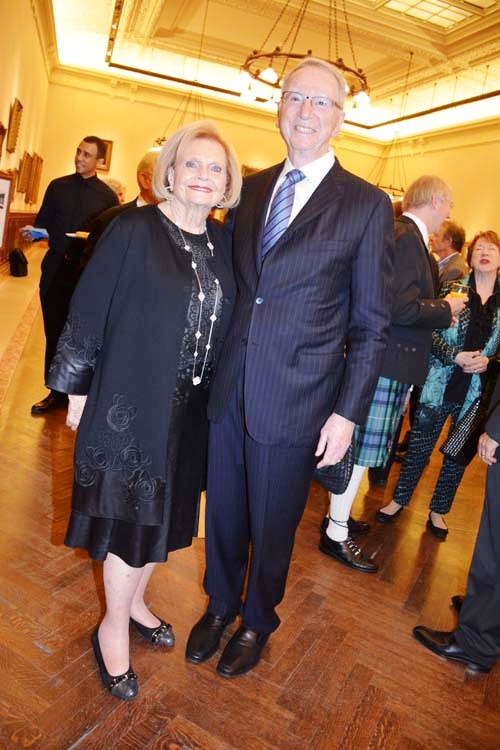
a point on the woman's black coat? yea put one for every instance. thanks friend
(121, 346)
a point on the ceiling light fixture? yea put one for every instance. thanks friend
(270, 67)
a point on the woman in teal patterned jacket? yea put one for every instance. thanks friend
(462, 360)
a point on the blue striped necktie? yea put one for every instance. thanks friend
(281, 209)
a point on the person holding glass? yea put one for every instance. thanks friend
(136, 356)
(460, 365)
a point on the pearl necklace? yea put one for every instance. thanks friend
(196, 379)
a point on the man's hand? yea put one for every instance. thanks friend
(486, 449)
(334, 440)
(472, 362)
(76, 405)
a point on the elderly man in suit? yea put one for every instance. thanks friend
(475, 642)
(313, 247)
(447, 243)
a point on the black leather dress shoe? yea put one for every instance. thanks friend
(205, 637)
(348, 553)
(123, 686)
(443, 644)
(162, 635)
(355, 528)
(437, 531)
(456, 602)
(386, 517)
(49, 403)
(242, 652)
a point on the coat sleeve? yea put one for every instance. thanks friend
(81, 340)
(409, 309)
(370, 299)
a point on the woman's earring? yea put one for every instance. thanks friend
(222, 200)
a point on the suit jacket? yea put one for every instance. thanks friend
(327, 280)
(493, 423)
(415, 310)
(455, 269)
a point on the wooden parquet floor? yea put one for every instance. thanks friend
(342, 672)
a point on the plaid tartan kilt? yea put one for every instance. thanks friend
(373, 440)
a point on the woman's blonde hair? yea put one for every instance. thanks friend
(185, 135)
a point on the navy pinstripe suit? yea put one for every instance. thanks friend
(282, 372)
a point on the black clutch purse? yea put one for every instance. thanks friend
(336, 478)
(461, 443)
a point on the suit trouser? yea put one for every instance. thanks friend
(478, 631)
(256, 495)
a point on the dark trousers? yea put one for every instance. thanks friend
(57, 284)
(422, 442)
(256, 495)
(478, 631)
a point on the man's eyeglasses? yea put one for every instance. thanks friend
(319, 103)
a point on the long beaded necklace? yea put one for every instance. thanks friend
(196, 379)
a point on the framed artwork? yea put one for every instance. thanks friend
(107, 159)
(24, 172)
(5, 198)
(14, 124)
(34, 179)
(3, 130)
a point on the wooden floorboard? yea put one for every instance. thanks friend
(342, 672)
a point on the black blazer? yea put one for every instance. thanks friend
(327, 280)
(415, 311)
(493, 423)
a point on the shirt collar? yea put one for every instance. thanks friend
(315, 171)
(421, 226)
(446, 260)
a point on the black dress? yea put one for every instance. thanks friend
(137, 544)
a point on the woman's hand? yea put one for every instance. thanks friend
(472, 362)
(76, 405)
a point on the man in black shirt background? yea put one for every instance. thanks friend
(69, 205)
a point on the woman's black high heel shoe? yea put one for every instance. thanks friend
(124, 686)
(162, 635)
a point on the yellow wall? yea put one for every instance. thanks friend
(23, 76)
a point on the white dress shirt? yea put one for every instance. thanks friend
(314, 173)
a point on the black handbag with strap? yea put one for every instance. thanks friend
(18, 263)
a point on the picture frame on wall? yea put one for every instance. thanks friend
(104, 167)
(34, 179)
(24, 172)
(16, 112)
(3, 130)
(5, 198)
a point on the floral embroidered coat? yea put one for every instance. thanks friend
(121, 346)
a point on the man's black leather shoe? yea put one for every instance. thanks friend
(49, 403)
(347, 553)
(242, 652)
(205, 637)
(355, 528)
(443, 644)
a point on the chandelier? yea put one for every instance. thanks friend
(269, 68)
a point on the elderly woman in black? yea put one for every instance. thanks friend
(136, 356)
